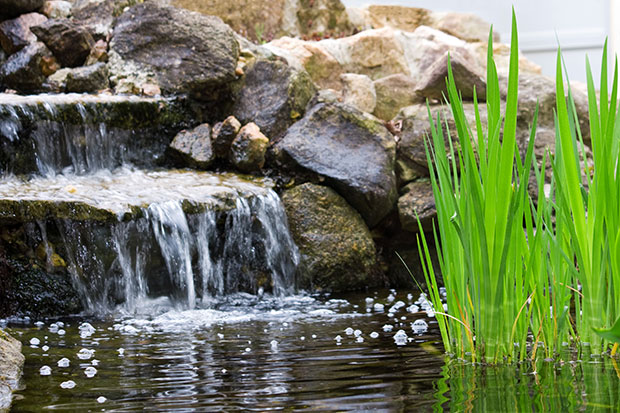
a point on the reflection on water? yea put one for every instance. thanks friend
(301, 353)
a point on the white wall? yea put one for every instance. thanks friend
(581, 27)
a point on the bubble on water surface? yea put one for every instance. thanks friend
(419, 326)
(387, 328)
(35, 341)
(85, 354)
(90, 372)
(349, 331)
(101, 399)
(374, 334)
(69, 384)
(45, 371)
(400, 338)
(63, 362)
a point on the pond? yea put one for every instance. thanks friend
(300, 353)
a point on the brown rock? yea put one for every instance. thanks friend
(99, 53)
(417, 201)
(248, 149)
(398, 17)
(466, 26)
(70, 42)
(223, 135)
(467, 76)
(393, 93)
(15, 34)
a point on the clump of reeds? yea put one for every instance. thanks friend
(524, 276)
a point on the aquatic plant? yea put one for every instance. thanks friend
(514, 268)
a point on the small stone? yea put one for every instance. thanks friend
(248, 149)
(99, 53)
(193, 147)
(223, 134)
(56, 9)
(15, 34)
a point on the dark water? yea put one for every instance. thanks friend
(250, 354)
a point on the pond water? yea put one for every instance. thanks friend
(300, 353)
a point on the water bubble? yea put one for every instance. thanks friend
(400, 338)
(397, 306)
(39, 324)
(121, 352)
(357, 333)
(61, 332)
(224, 371)
(413, 308)
(378, 307)
(409, 296)
(247, 349)
(387, 328)
(220, 336)
(63, 362)
(53, 328)
(35, 341)
(419, 326)
(338, 338)
(90, 372)
(348, 331)
(313, 335)
(60, 324)
(274, 345)
(391, 297)
(45, 371)
(86, 330)
(85, 354)
(360, 339)
(302, 338)
(101, 399)
(374, 334)
(369, 300)
(69, 384)
(45, 348)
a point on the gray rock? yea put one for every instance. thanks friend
(15, 34)
(417, 201)
(193, 147)
(467, 75)
(353, 151)
(88, 79)
(223, 135)
(337, 250)
(248, 149)
(98, 16)
(394, 92)
(27, 69)
(11, 365)
(273, 96)
(13, 8)
(57, 9)
(185, 51)
(69, 41)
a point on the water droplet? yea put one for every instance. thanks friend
(348, 331)
(69, 384)
(45, 371)
(374, 334)
(35, 341)
(90, 372)
(85, 354)
(45, 348)
(387, 328)
(63, 362)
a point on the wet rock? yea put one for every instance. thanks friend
(11, 365)
(27, 69)
(69, 41)
(57, 81)
(417, 201)
(248, 149)
(359, 91)
(88, 79)
(337, 250)
(322, 67)
(467, 76)
(353, 151)
(193, 147)
(273, 96)
(394, 92)
(466, 26)
(56, 9)
(15, 34)
(13, 8)
(183, 51)
(223, 134)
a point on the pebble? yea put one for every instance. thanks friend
(45, 371)
(69, 384)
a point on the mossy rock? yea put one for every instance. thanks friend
(337, 250)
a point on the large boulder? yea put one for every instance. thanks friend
(184, 52)
(337, 250)
(69, 41)
(353, 151)
(11, 364)
(273, 96)
(15, 34)
(27, 69)
(13, 8)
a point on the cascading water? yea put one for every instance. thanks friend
(127, 235)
